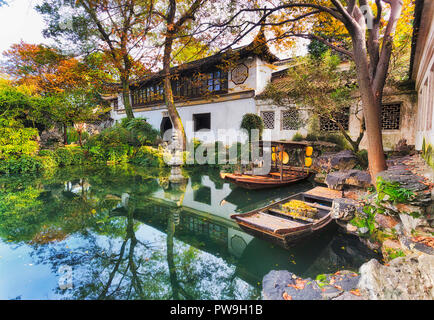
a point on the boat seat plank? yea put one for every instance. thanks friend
(324, 192)
(318, 206)
(269, 222)
(305, 219)
(286, 174)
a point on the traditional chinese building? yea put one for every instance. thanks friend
(215, 92)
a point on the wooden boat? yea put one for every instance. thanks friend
(281, 173)
(273, 179)
(273, 224)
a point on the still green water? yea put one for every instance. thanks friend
(126, 233)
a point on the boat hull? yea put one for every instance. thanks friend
(288, 240)
(269, 223)
(255, 182)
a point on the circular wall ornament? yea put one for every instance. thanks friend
(240, 74)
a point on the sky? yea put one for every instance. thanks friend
(20, 21)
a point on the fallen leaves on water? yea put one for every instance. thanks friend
(286, 296)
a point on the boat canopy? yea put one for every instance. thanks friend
(295, 144)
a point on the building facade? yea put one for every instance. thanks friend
(213, 95)
(422, 72)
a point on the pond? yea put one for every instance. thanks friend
(124, 232)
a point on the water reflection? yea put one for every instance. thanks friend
(128, 234)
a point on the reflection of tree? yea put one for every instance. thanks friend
(66, 201)
(177, 288)
(83, 224)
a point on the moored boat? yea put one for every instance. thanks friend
(282, 173)
(285, 228)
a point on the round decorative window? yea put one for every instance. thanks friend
(240, 74)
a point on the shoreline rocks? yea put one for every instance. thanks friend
(405, 278)
(329, 161)
(284, 285)
(337, 180)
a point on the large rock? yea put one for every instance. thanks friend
(356, 178)
(274, 284)
(51, 139)
(344, 209)
(386, 222)
(343, 160)
(405, 278)
(409, 181)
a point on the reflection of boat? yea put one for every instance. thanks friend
(275, 224)
(281, 173)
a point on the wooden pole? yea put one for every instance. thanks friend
(280, 160)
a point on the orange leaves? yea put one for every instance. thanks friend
(299, 284)
(47, 70)
(356, 292)
(286, 296)
(429, 241)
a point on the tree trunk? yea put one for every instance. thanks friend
(79, 138)
(173, 113)
(371, 109)
(170, 104)
(65, 134)
(126, 98)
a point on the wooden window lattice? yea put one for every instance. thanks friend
(290, 119)
(268, 119)
(343, 118)
(390, 116)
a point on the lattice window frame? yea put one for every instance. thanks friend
(290, 119)
(391, 116)
(327, 125)
(268, 117)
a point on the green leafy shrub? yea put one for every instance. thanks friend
(141, 130)
(362, 156)
(252, 121)
(66, 156)
(297, 137)
(73, 136)
(428, 153)
(47, 162)
(391, 254)
(335, 138)
(112, 144)
(394, 191)
(23, 164)
(148, 156)
(366, 220)
(15, 140)
(18, 147)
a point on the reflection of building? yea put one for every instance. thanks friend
(203, 196)
(217, 235)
